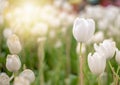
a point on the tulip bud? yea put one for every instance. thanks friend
(98, 37)
(21, 81)
(106, 49)
(13, 44)
(117, 57)
(28, 74)
(96, 63)
(83, 29)
(4, 79)
(13, 63)
(7, 33)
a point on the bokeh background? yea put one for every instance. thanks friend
(52, 20)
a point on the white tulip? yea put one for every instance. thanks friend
(96, 63)
(58, 3)
(41, 39)
(103, 24)
(117, 22)
(113, 31)
(52, 34)
(14, 44)
(111, 12)
(3, 5)
(106, 49)
(117, 57)
(7, 33)
(54, 22)
(98, 37)
(40, 29)
(83, 29)
(4, 79)
(21, 81)
(66, 6)
(71, 18)
(28, 74)
(13, 63)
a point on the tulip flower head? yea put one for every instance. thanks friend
(21, 81)
(106, 49)
(28, 74)
(14, 44)
(83, 29)
(96, 63)
(117, 57)
(4, 79)
(13, 63)
(7, 32)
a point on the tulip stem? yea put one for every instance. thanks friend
(116, 78)
(99, 80)
(81, 79)
(111, 67)
(41, 60)
(11, 78)
(118, 69)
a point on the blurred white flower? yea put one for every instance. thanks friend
(14, 44)
(64, 30)
(41, 39)
(83, 29)
(4, 79)
(117, 57)
(113, 31)
(58, 44)
(63, 15)
(96, 63)
(7, 32)
(103, 24)
(13, 63)
(54, 22)
(58, 3)
(9, 16)
(111, 13)
(52, 33)
(98, 37)
(1, 19)
(95, 12)
(106, 49)
(117, 22)
(67, 7)
(28, 74)
(3, 4)
(70, 18)
(21, 81)
(40, 29)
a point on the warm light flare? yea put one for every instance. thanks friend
(29, 8)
